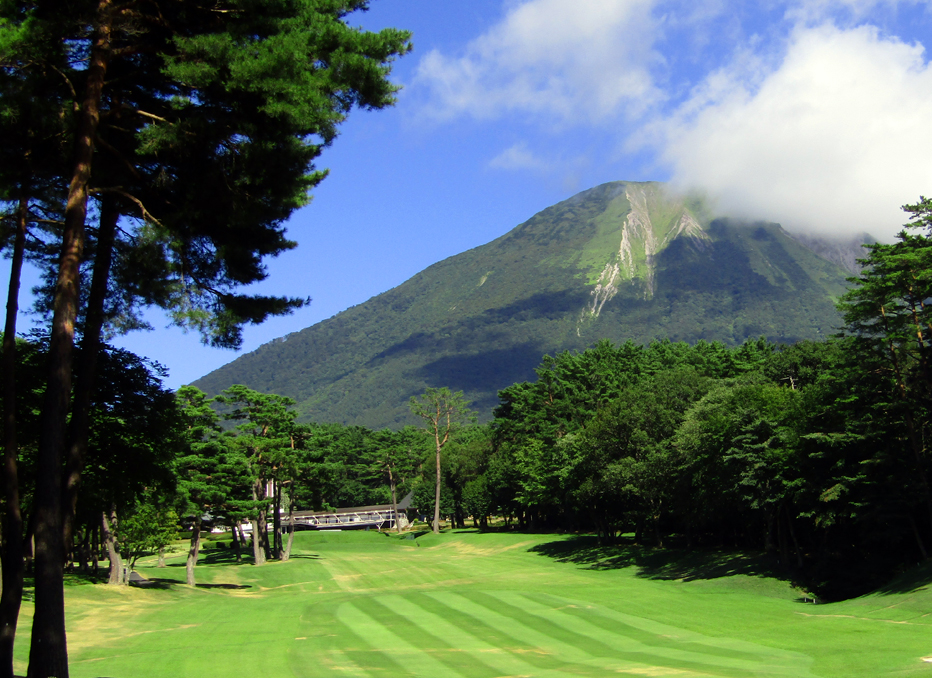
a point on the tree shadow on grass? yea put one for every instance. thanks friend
(162, 583)
(156, 583)
(660, 563)
(223, 557)
(914, 579)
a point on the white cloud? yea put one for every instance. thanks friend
(836, 138)
(818, 10)
(817, 119)
(565, 61)
(519, 157)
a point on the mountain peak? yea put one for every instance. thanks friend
(624, 260)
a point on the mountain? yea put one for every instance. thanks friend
(842, 251)
(623, 260)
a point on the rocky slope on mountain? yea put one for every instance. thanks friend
(621, 261)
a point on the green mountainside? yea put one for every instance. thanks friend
(621, 261)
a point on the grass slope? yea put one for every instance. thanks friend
(483, 605)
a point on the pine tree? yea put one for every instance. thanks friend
(202, 120)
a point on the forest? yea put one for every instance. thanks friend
(813, 452)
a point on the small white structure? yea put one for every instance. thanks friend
(379, 516)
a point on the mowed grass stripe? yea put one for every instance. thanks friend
(561, 652)
(498, 658)
(651, 632)
(797, 664)
(322, 647)
(667, 652)
(442, 649)
(410, 659)
(540, 659)
(335, 662)
(606, 644)
(610, 649)
(605, 648)
(660, 637)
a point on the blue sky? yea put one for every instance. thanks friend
(814, 114)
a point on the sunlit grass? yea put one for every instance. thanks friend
(481, 606)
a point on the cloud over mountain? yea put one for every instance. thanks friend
(814, 113)
(836, 136)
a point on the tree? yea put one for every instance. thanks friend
(199, 468)
(465, 458)
(150, 527)
(442, 411)
(621, 467)
(395, 454)
(175, 103)
(132, 440)
(22, 377)
(888, 315)
(266, 441)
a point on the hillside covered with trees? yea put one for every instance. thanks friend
(622, 261)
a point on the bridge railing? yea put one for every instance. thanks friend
(351, 519)
(378, 519)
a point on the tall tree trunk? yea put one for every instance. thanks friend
(48, 652)
(109, 526)
(391, 481)
(11, 551)
(259, 526)
(264, 533)
(86, 372)
(286, 554)
(242, 539)
(258, 553)
(237, 547)
(437, 492)
(95, 549)
(193, 552)
(277, 520)
(85, 550)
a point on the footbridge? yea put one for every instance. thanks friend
(358, 517)
(350, 518)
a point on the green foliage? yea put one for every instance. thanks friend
(136, 433)
(202, 485)
(443, 413)
(212, 116)
(150, 527)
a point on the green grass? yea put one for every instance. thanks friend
(486, 605)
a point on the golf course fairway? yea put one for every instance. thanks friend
(471, 605)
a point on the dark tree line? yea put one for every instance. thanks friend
(160, 464)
